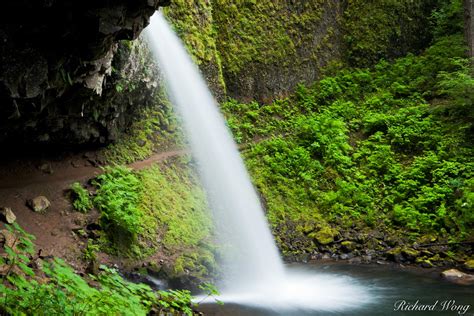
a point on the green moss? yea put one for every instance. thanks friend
(155, 130)
(410, 252)
(381, 29)
(469, 264)
(349, 245)
(266, 32)
(365, 147)
(193, 21)
(200, 264)
(174, 197)
(426, 263)
(324, 235)
(161, 208)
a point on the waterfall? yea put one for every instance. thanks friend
(253, 269)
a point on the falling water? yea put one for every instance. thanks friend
(253, 270)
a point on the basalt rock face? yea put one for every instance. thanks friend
(267, 48)
(56, 61)
(262, 49)
(259, 50)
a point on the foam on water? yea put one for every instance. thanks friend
(254, 273)
(303, 291)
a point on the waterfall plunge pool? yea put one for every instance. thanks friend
(387, 287)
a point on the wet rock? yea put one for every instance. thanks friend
(458, 277)
(427, 239)
(356, 260)
(326, 256)
(7, 215)
(361, 238)
(400, 255)
(141, 142)
(39, 204)
(346, 256)
(348, 246)
(37, 264)
(410, 254)
(367, 258)
(426, 253)
(395, 255)
(426, 264)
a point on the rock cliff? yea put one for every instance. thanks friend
(57, 59)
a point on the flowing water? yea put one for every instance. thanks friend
(391, 285)
(254, 274)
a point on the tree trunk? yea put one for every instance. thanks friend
(469, 25)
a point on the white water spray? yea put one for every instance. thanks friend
(254, 273)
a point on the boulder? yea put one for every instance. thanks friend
(355, 260)
(324, 236)
(348, 246)
(7, 215)
(7, 238)
(458, 277)
(400, 255)
(39, 204)
(469, 265)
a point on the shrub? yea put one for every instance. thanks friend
(55, 289)
(389, 146)
(118, 198)
(81, 199)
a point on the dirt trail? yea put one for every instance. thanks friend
(63, 172)
(57, 230)
(21, 180)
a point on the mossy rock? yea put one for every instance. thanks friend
(436, 258)
(348, 246)
(424, 262)
(427, 239)
(410, 253)
(401, 254)
(395, 254)
(469, 264)
(324, 236)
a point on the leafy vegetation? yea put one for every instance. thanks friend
(388, 147)
(157, 208)
(53, 288)
(81, 199)
(386, 28)
(118, 198)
